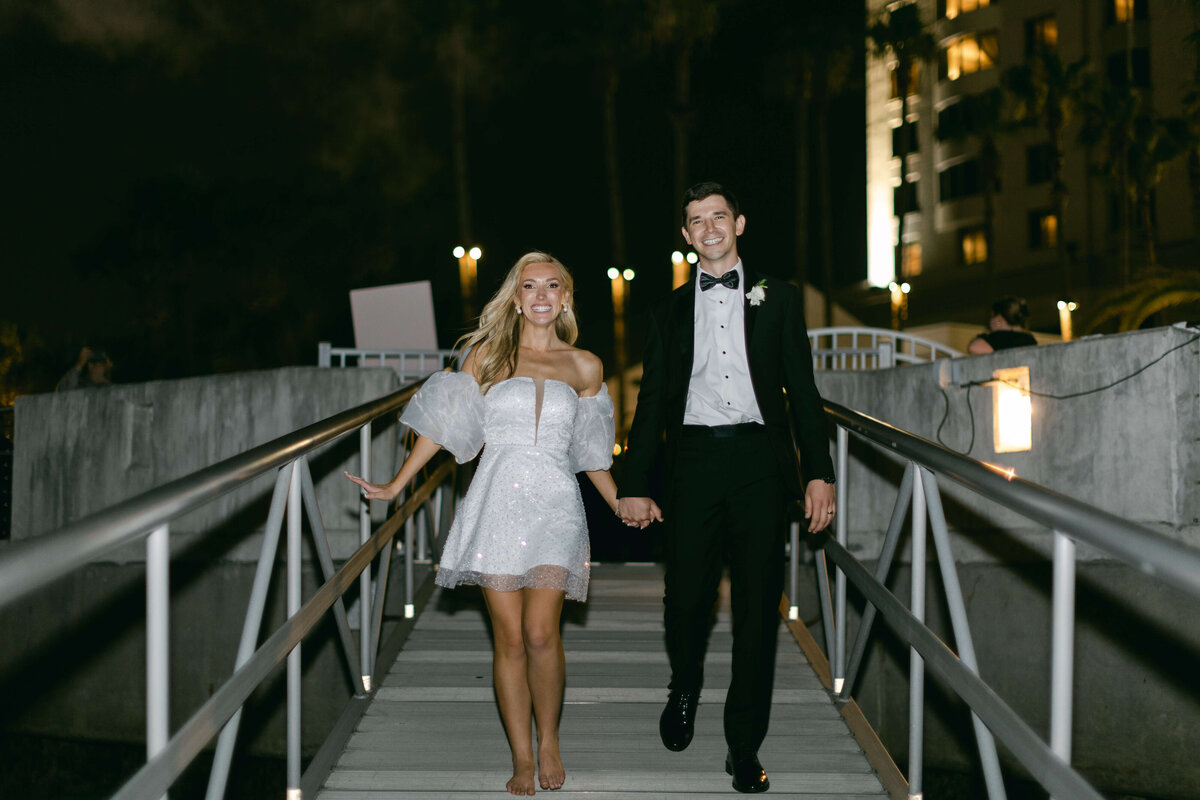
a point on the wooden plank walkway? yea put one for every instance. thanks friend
(433, 729)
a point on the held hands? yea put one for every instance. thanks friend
(819, 505)
(638, 512)
(375, 491)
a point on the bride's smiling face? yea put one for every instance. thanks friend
(541, 295)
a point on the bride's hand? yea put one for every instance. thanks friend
(374, 491)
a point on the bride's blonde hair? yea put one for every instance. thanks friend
(498, 336)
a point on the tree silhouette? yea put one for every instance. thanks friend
(982, 117)
(902, 35)
(1047, 93)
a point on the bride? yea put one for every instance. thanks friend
(539, 408)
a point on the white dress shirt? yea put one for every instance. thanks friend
(720, 391)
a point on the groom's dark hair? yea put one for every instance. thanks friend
(708, 189)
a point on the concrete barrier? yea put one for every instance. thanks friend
(72, 656)
(1130, 449)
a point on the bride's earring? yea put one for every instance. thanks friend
(519, 311)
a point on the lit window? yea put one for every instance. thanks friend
(956, 7)
(972, 52)
(974, 246)
(910, 261)
(1043, 230)
(1041, 34)
(1120, 11)
(914, 80)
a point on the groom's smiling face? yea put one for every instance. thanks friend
(712, 229)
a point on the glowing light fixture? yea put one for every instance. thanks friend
(1065, 307)
(627, 274)
(614, 273)
(1012, 411)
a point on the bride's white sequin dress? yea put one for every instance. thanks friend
(521, 523)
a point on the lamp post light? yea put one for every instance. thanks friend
(1065, 307)
(468, 266)
(682, 268)
(899, 303)
(619, 278)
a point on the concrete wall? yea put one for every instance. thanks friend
(78, 452)
(1131, 450)
(72, 656)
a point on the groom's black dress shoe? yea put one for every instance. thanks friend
(678, 720)
(748, 775)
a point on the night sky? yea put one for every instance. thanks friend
(197, 185)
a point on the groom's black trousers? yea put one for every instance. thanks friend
(726, 500)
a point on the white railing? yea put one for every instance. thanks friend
(33, 564)
(410, 365)
(855, 348)
(1067, 521)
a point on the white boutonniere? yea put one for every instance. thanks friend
(757, 293)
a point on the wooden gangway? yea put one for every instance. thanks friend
(433, 729)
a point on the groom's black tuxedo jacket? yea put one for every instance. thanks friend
(780, 361)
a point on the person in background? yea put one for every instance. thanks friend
(94, 368)
(1006, 328)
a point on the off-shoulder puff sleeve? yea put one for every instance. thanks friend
(449, 410)
(595, 432)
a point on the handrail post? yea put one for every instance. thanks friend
(295, 512)
(916, 664)
(364, 580)
(794, 566)
(410, 603)
(1062, 647)
(158, 604)
(839, 668)
(324, 354)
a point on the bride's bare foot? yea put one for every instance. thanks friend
(521, 783)
(550, 769)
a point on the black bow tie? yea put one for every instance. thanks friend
(728, 280)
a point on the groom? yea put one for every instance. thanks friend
(726, 363)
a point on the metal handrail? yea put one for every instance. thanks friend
(1069, 519)
(29, 565)
(1145, 548)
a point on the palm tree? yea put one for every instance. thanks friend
(1047, 93)
(813, 63)
(982, 117)
(1156, 290)
(466, 48)
(902, 35)
(1137, 145)
(681, 26)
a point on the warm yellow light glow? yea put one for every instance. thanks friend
(617, 449)
(680, 269)
(692, 258)
(459, 251)
(1123, 9)
(627, 274)
(476, 253)
(1012, 411)
(614, 273)
(1065, 307)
